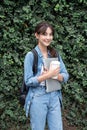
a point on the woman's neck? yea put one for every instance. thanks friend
(43, 50)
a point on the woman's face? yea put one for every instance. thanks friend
(46, 38)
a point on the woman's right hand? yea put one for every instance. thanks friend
(48, 74)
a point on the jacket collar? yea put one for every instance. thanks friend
(40, 53)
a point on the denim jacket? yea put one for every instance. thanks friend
(31, 79)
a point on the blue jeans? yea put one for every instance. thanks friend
(45, 107)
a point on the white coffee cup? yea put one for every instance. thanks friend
(54, 65)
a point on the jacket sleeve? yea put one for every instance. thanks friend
(29, 77)
(63, 70)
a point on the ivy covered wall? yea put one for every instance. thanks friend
(17, 21)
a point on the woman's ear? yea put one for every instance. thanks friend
(36, 35)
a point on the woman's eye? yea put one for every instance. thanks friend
(51, 34)
(45, 34)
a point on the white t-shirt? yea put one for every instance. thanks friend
(43, 82)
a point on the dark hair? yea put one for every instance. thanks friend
(41, 29)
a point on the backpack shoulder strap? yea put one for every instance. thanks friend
(58, 55)
(35, 62)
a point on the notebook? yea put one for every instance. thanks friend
(51, 84)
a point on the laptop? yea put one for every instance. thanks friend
(51, 84)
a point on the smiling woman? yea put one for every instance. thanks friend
(44, 34)
(44, 39)
(41, 104)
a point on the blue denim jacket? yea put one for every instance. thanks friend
(31, 79)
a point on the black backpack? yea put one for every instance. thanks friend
(24, 89)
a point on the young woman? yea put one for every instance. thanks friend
(41, 105)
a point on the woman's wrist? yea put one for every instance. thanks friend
(60, 77)
(43, 77)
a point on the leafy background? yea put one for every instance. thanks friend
(18, 19)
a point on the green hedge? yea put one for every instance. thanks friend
(17, 22)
